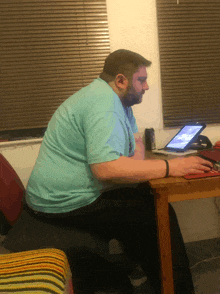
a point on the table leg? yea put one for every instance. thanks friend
(164, 242)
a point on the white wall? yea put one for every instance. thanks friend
(22, 157)
(133, 26)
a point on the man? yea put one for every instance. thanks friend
(88, 170)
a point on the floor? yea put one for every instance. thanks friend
(204, 257)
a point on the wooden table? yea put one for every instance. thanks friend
(174, 189)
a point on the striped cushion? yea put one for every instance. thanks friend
(37, 271)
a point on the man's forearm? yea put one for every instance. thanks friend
(129, 170)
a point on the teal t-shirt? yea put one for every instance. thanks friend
(91, 126)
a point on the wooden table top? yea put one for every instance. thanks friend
(179, 188)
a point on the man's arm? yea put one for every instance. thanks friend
(139, 153)
(129, 170)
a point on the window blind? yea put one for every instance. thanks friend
(49, 50)
(189, 44)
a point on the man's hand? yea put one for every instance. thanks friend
(139, 152)
(188, 165)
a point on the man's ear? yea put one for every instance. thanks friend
(121, 82)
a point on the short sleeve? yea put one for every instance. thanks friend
(105, 136)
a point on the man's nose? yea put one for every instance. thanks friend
(145, 87)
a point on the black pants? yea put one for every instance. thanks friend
(126, 214)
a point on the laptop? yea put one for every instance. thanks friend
(179, 145)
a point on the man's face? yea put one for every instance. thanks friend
(137, 88)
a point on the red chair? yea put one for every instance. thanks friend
(11, 194)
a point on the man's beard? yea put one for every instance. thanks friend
(131, 97)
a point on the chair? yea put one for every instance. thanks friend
(11, 194)
(89, 269)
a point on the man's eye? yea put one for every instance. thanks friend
(142, 81)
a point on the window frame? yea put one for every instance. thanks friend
(48, 54)
(189, 46)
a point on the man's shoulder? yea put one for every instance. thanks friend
(99, 88)
(100, 97)
(96, 89)
(94, 99)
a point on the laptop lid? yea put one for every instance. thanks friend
(187, 135)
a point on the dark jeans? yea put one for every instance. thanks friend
(128, 215)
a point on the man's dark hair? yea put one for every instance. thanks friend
(123, 62)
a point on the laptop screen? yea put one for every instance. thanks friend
(185, 136)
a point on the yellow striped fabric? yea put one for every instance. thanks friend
(37, 271)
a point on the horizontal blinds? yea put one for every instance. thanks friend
(189, 44)
(49, 50)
